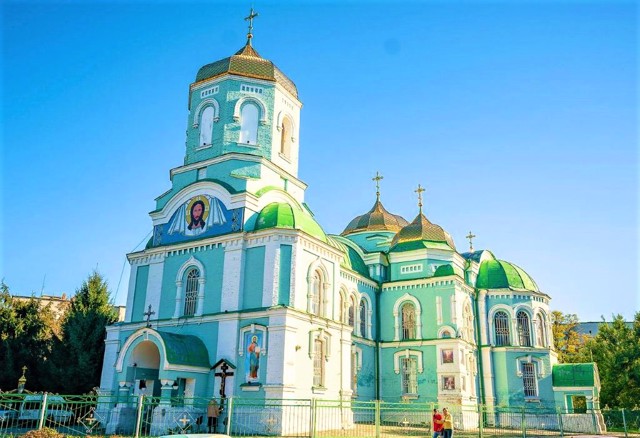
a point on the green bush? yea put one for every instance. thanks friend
(45, 432)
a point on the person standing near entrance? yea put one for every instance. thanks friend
(213, 411)
(437, 422)
(447, 424)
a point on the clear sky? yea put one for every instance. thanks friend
(520, 118)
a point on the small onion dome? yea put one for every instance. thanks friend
(498, 274)
(248, 63)
(376, 219)
(283, 215)
(421, 233)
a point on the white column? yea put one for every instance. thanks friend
(154, 285)
(271, 274)
(200, 304)
(177, 311)
(232, 276)
(130, 294)
(487, 366)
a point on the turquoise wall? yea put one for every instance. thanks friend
(253, 278)
(391, 383)
(140, 293)
(284, 275)
(367, 375)
(509, 386)
(242, 371)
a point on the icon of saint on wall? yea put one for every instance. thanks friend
(253, 356)
(197, 215)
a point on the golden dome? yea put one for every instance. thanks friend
(419, 234)
(376, 219)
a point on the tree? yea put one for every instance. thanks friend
(569, 344)
(616, 350)
(79, 355)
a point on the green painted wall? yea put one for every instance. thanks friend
(253, 278)
(140, 294)
(284, 275)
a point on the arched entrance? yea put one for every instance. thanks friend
(143, 369)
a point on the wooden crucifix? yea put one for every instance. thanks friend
(223, 374)
(148, 314)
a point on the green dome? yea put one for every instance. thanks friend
(498, 274)
(351, 259)
(421, 233)
(283, 215)
(248, 63)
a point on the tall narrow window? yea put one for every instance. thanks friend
(540, 337)
(354, 372)
(467, 317)
(249, 124)
(352, 312)
(501, 328)
(285, 140)
(408, 321)
(318, 363)
(363, 318)
(524, 329)
(529, 382)
(409, 367)
(341, 310)
(191, 292)
(206, 126)
(316, 294)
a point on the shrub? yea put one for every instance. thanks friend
(45, 432)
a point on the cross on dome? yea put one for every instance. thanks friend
(470, 236)
(250, 18)
(377, 179)
(419, 191)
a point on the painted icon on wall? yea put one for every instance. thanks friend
(196, 215)
(253, 342)
(447, 356)
(448, 383)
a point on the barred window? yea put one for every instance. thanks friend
(363, 318)
(352, 312)
(316, 294)
(501, 327)
(409, 367)
(524, 329)
(191, 292)
(318, 363)
(529, 382)
(408, 321)
(541, 339)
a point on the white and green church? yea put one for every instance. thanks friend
(239, 278)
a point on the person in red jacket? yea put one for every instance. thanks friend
(437, 422)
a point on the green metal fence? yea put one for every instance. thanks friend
(144, 416)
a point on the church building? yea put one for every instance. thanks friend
(240, 279)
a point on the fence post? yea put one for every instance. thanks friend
(524, 424)
(376, 410)
(480, 421)
(624, 424)
(560, 422)
(314, 416)
(229, 415)
(139, 415)
(43, 410)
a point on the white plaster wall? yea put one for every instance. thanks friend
(154, 286)
(232, 276)
(286, 104)
(112, 345)
(130, 294)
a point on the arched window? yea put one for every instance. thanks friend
(541, 340)
(408, 321)
(352, 312)
(191, 293)
(363, 318)
(316, 293)
(524, 329)
(446, 334)
(467, 317)
(285, 139)
(249, 124)
(318, 362)
(342, 305)
(206, 126)
(501, 328)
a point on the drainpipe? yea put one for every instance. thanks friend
(376, 356)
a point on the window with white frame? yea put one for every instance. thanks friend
(529, 380)
(363, 318)
(540, 330)
(316, 294)
(206, 126)
(318, 362)
(524, 328)
(285, 140)
(341, 310)
(408, 321)
(191, 292)
(249, 115)
(409, 375)
(352, 312)
(467, 321)
(501, 328)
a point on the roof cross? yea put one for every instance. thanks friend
(377, 179)
(419, 191)
(470, 236)
(148, 314)
(250, 18)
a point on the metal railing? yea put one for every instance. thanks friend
(145, 416)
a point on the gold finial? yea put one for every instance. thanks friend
(250, 18)
(470, 236)
(419, 191)
(377, 179)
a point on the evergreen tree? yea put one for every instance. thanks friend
(80, 353)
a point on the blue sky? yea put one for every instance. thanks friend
(518, 117)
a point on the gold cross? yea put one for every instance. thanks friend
(377, 179)
(419, 191)
(470, 236)
(250, 18)
(184, 420)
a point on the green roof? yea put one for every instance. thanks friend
(185, 350)
(351, 258)
(443, 271)
(498, 274)
(283, 215)
(575, 374)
